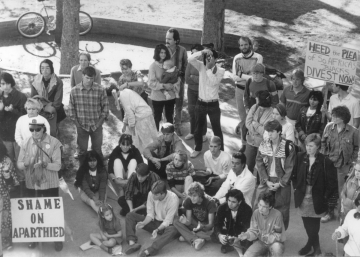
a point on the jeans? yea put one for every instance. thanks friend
(83, 139)
(170, 233)
(158, 110)
(137, 200)
(239, 95)
(179, 104)
(192, 100)
(161, 171)
(258, 248)
(213, 110)
(187, 231)
(312, 228)
(213, 187)
(250, 153)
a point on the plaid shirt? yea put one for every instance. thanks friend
(134, 187)
(87, 106)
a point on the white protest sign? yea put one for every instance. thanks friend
(330, 63)
(37, 219)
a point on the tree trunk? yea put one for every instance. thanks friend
(214, 19)
(70, 36)
(59, 21)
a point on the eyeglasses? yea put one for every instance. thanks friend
(37, 129)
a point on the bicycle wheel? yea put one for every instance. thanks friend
(85, 22)
(31, 24)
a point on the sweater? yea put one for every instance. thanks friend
(192, 77)
(255, 121)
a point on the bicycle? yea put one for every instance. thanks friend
(33, 24)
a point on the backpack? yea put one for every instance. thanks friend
(252, 99)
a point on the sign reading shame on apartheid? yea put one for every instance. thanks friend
(37, 219)
(330, 63)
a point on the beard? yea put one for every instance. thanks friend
(246, 51)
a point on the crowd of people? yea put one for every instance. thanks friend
(240, 200)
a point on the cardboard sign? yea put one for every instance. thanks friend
(37, 219)
(330, 63)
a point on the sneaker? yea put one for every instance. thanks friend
(305, 250)
(189, 136)
(181, 239)
(204, 138)
(194, 154)
(142, 253)
(198, 244)
(328, 217)
(132, 248)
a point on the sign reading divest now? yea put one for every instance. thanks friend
(37, 219)
(331, 63)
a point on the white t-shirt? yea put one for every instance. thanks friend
(350, 102)
(220, 165)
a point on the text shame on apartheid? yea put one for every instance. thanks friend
(38, 218)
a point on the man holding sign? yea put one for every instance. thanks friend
(40, 158)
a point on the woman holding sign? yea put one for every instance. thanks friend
(40, 158)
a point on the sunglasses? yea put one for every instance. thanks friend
(37, 129)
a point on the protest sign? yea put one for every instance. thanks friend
(331, 63)
(38, 219)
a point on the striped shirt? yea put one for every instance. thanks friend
(87, 106)
(51, 147)
(177, 176)
(294, 101)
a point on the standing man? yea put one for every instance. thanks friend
(192, 80)
(210, 76)
(342, 97)
(241, 70)
(179, 57)
(295, 96)
(88, 108)
(161, 207)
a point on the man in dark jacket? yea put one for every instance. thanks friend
(233, 218)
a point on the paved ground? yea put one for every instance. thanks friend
(83, 220)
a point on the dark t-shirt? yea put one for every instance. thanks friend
(201, 211)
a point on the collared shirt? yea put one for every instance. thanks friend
(134, 187)
(76, 76)
(341, 147)
(242, 66)
(294, 101)
(220, 165)
(87, 106)
(350, 102)
(164, 210)
(245, 182)
(52, 148)
(17, 99)
(209, 79)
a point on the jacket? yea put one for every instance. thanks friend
(134, 153)
(341, 148)
(255, 121)
(99, 185)
(349, 193)
(224, 223)
(159, 147)
(54, 92)
(8, 125)
(283, 164)
(325, 181)
(306, 127)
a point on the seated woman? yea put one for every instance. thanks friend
(91, 178)
(123, 161)
(179, 174)
(310, 118)
(288, 131)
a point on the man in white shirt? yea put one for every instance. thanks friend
(217, 164)
(242, 64)
(161, 206)
(342, 97)
(210, 76)
(240, 178)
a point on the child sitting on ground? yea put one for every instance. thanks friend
(110, 230)
(170, 75)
